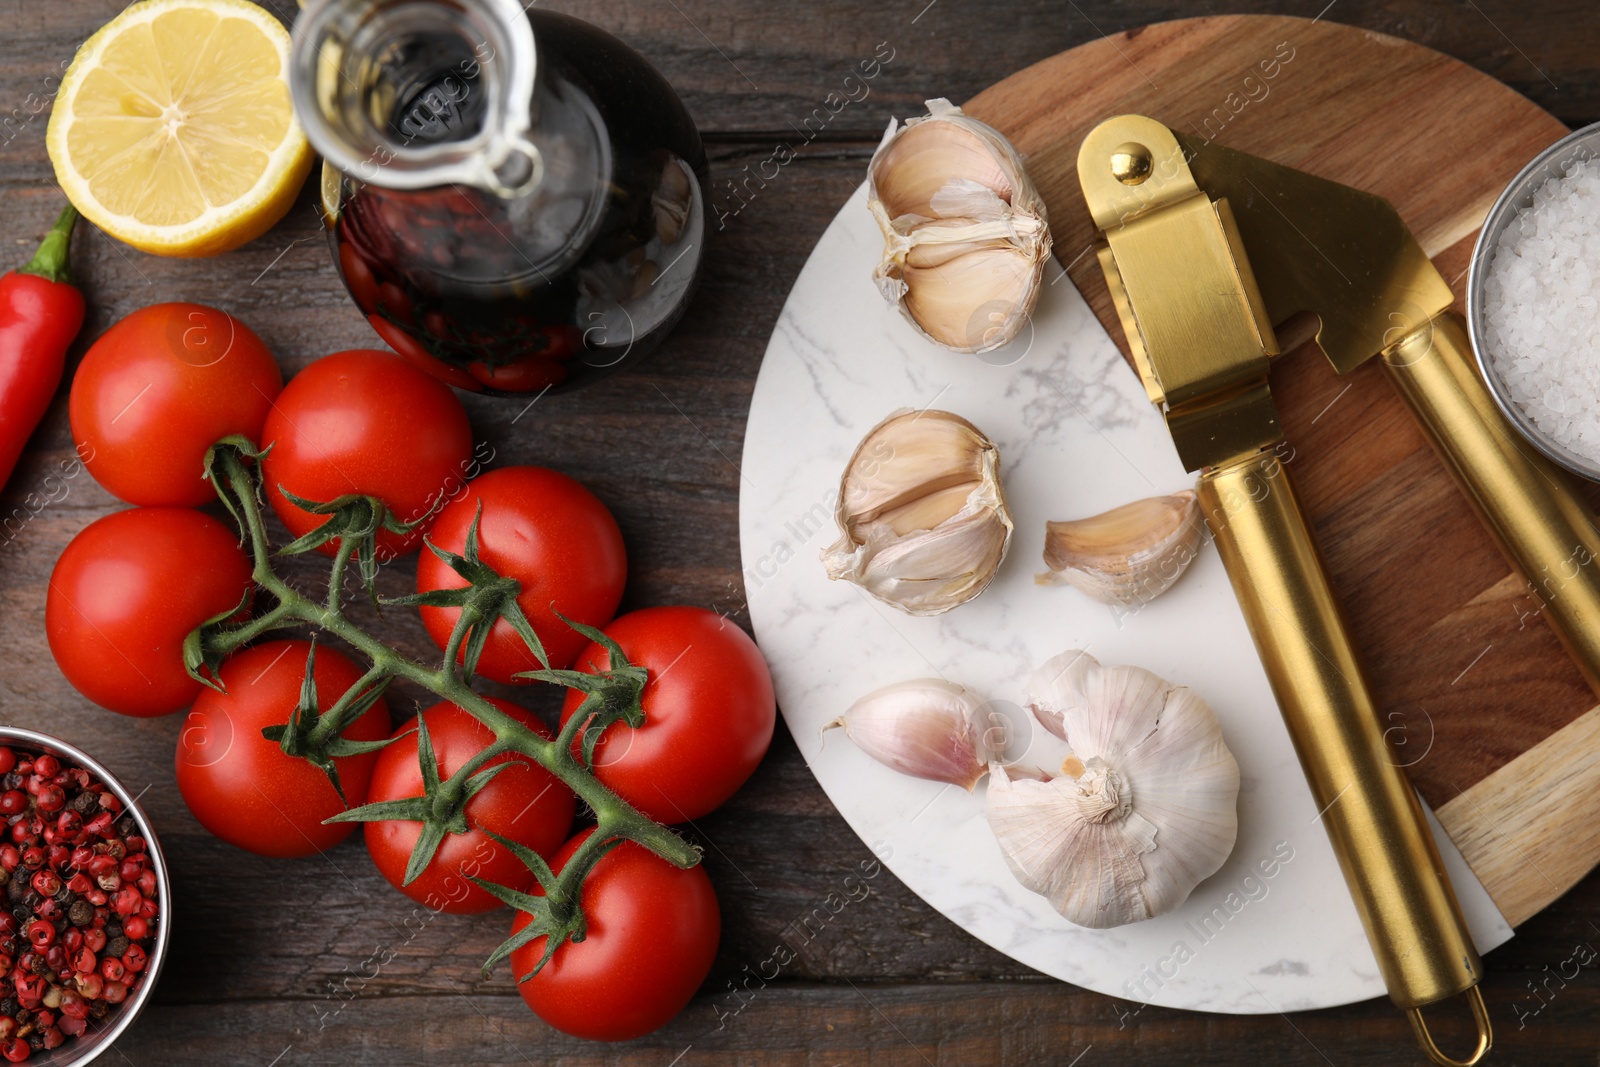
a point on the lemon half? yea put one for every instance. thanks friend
(173, 130)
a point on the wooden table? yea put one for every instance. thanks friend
(319, 961)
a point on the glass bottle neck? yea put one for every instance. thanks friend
(413, 94)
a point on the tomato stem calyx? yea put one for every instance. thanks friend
(317, 737)
(486, 597)
(442, 807)
(609, 696)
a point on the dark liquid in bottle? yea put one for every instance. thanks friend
(556, 288)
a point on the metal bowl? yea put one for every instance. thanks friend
(98, 1038)
(1579, 145)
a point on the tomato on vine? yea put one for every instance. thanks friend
(124, 594)
(245, 788)
(651, 938)
(547, 532)
(522, 802)
(709, 712)
(365, 423)
(158, 389)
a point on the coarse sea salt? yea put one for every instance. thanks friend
(1540, 321)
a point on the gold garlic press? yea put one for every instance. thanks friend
(1206, 250)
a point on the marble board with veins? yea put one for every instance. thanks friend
(1274, 929)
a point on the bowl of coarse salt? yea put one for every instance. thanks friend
(1533, 302)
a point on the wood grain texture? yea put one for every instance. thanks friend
(1531, 829)
(274, 959)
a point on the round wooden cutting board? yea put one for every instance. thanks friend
(1499, 731)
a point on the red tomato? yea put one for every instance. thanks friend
(549, 533)
(708, 712)
(126, 592)
(652, 936)
(359, 279)
(365, 422)
(158, 389)
(524, 803)
(415, 354)
(240, 785)
(523, 376)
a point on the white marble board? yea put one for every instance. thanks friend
(1274, 929)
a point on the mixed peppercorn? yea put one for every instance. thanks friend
(80, 902)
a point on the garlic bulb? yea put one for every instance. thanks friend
(1130, 554)
(922, 518)
(1146, 808)
(928, 728)
(965, 237)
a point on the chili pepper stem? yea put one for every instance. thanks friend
(51, 260)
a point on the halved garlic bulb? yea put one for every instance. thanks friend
(928, 728)
(922, 518)
(965, 237)
(1130, 554)
(1147, 804)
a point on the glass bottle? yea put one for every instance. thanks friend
(516, 200)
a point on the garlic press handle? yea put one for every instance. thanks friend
(1368, 807)
(1531, 506)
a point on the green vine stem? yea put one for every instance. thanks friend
(557, 913)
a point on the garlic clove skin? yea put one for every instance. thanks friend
(927, 728)
(1152, 813)
(1129, 555)
(965, 233)
(922, 516)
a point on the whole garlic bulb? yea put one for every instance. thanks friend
(1145, 809)
(922, 518)
(927, 728)
(964, 230)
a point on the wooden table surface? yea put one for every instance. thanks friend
(319, 961)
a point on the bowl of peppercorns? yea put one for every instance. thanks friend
(85, 924)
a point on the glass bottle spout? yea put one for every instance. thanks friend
(416, 94)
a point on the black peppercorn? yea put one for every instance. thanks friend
(8, 1005)
(85, 804)
(81, 913)
(117, 946)
(126, 827)
(113, 928)
(5, 876)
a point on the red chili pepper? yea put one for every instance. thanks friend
(40, 313)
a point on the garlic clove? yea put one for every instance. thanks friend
(965, 235)
(1129, 555)
(976, 300)
(672, 201)
(906, 457)
(1152, 812)
(913, 168)
(928, 728)
(922, 515)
